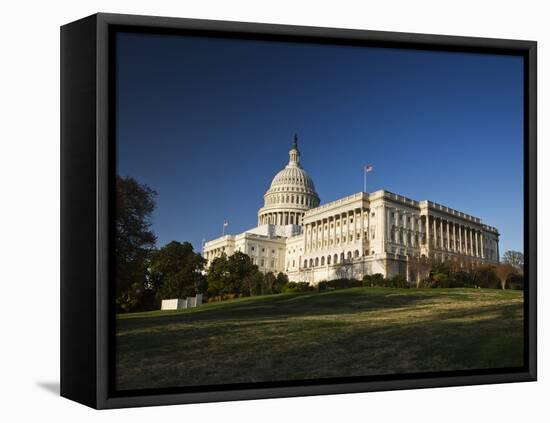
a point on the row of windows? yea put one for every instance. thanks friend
(253, 248)
(336, 240)
(263, 261)
(286, 189)
(333, 259)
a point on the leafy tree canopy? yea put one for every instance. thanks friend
(177, 271)
(134, 240)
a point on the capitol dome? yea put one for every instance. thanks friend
(291, 194)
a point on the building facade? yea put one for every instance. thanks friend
(364, 233)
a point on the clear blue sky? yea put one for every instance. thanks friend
(208, 122)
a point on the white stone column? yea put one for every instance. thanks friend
(354, 225)
(448, 236)
(389, 223)
(481, 244)
(435, 232)
(441, 239)
(460, 239)
(428, 231)
(305, 238)
(471, 242)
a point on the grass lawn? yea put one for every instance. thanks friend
(351, 332)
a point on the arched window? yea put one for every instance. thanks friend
(310, 262)
(342, 257)
(305, 264)
(323, 261)
(335, 258)
(356, 254)
(328, 259)
(316, 261)
(349, 255)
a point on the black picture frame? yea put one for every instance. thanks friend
(87, 175)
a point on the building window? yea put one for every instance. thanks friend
(262, 263)
(273, 263)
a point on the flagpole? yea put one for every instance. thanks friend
(364, 179)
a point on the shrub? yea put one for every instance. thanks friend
(397, 281)
(338, 284)
(297, 287)
(486, 277)
(515, 281)
(376, 279)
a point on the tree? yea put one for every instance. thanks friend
(269, 282)
(344, 269)
(134, 241)
(280, 282)
(419, 268)
(235, 274)
(253, 283)
(514, 259)
(177, 271)
(241, 269)
(218, 277)
(504, 272)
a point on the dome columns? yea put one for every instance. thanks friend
(281, 218)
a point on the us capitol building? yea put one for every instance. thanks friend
(364, 233)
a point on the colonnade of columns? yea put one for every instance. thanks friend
(455, 237)
(281, 218)
(331, 230)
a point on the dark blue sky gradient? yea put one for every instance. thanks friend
(208, 122)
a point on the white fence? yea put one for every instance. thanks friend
(181, 303)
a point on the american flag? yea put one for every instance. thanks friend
(368, 168)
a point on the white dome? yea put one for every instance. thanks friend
(295, 176)
(291, 194)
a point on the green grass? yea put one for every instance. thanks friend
(352, 332)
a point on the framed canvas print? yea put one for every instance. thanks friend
(255, 211)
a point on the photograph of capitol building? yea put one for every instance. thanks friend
(384, 239)
(363, 233)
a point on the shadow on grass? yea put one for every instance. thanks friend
(296, 305)
(296, 341)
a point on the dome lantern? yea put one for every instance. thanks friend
(294, 153)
